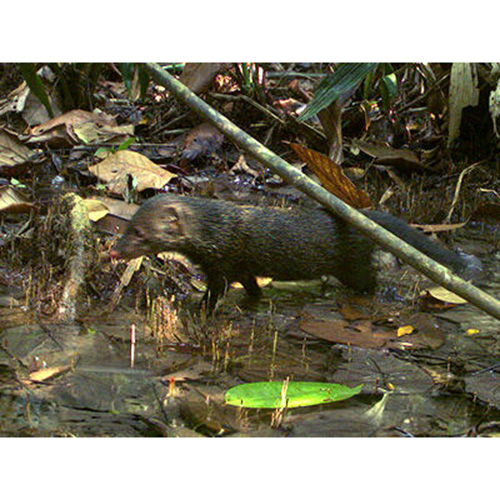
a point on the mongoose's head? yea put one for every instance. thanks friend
(158, 226)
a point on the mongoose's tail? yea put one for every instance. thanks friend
(468, 266)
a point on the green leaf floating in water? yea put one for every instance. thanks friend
(269, 394)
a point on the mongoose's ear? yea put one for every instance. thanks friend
(172, 220)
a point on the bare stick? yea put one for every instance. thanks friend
(384, 238)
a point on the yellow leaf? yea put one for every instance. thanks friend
(96, 209)
(405, 330)
(261, 281)
(46, 373)
(472, 331)
(444, 295)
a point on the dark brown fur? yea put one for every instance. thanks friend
(232, 242)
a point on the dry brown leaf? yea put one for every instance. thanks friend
(288, 106)
(47, 373)
(360, 333)
(178, 257)
(429, 333)
(441, 294)
(133, 266)
(74, 117)
(353, 312)
(9, 301)
(332, 177)
(95, 133)
(331, 121)
(97, 209)
(438, 228)
(22, 100)
(118, 213)
(366, 334)
(13, 202)
(117, 207)
(15, 101)
(61, 129)
(114, 170)
(12, 151)
(241, 166)
(386, 155)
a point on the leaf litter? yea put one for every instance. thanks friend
(412, 364)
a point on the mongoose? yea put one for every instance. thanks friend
(232, 242)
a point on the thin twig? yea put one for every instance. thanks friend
(464, 172)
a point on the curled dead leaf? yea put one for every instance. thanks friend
(94, 133)
(96, 209)
(332, 177)
(12, 151)
(15, 100)
(111, 215)
(13, 202)
(441, 294)
(61, 130)
(386, 155)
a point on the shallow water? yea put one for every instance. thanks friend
(77, 380)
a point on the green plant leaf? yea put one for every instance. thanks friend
(388, 89)
(127, 71)
(16, 183)
(28, 70)
(174, 67)
(368, 85)
(100, 151)
(144, 80)
(346, 77)
(94, 70)
(125, 144)
(269, 394)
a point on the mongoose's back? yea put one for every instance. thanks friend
(232, 242)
